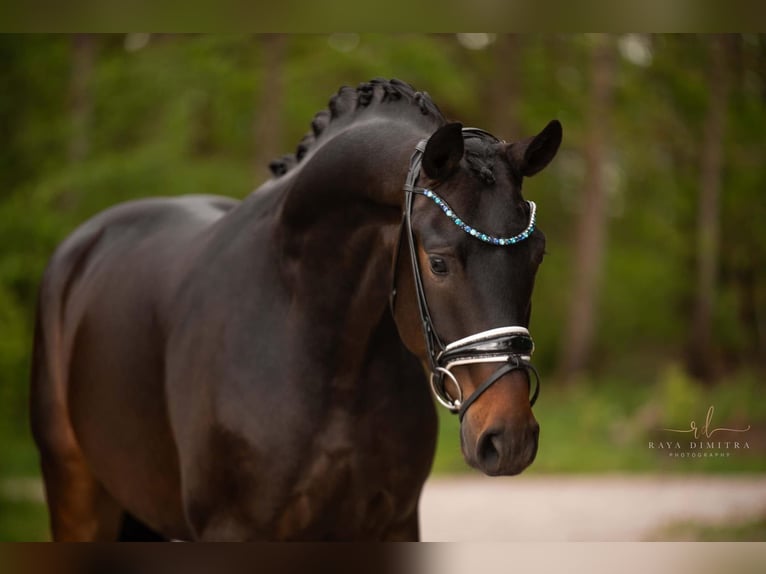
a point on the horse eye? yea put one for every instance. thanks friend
(438, 265)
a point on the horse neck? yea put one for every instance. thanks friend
(338, 229)
(364, 160)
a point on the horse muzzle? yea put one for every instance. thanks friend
(505, 447)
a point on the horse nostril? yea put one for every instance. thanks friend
(489, 450)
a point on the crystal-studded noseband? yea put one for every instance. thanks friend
(511, 346)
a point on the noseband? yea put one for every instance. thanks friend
(510, 346)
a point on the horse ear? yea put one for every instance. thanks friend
(443, 151)
(533, 154)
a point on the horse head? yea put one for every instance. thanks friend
(475, 250)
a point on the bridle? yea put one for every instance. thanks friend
(512, 346)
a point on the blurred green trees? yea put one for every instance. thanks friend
(86, 122)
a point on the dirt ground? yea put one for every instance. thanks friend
(582, 508)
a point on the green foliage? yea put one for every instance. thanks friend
(177, 114)
(22, 520)
(679, 396)
(14, 348)
(605, 425)
(32, 109)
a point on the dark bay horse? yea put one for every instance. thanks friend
(206, 369)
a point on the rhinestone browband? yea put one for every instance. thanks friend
(487, 238)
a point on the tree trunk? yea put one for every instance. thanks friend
(590, 238)
(80, 100)
(504, 91)
(268, 120)
(701, 357)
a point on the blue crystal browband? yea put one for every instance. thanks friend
(487, 238)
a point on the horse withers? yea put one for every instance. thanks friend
(206, 369)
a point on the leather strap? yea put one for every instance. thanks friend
(513, 364)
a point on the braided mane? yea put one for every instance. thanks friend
(346, 102)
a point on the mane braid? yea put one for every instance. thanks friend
(346, 102)
(482, 164)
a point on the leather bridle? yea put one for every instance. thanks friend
(511, 346)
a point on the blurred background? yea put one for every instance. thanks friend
(650, 306)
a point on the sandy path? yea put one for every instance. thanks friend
(560, 508)
(583, 508)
